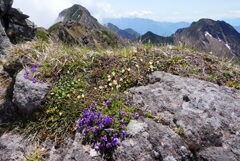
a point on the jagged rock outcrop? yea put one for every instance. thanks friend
(14, 26)
(81, 15)
(18, 27)
(191, 120)
(5, 44)
(216, 37)
(27, 95)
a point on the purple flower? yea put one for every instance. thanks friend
(97, 145)
(97, 122)
(84, 134)
(88, 128)
(109, 130)
(123, 133)
(95, 129)
(34, 66)
(108, 103)
(101, 126)
(121, 112)
(99, 115)
(114, 141)
(122, 121)
(121, 127)
(33, 69)
(115, 135)
(94, 103)
(33, 80)
(104, 138)
(92, 107)
(85, 110)
(25, 75)
(107, 119)
(79, 127)
(135, 115)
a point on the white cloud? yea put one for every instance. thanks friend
(45, 12)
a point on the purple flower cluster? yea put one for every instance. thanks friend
(26, 74)
(102, 131)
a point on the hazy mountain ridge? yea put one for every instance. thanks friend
(142, 26)
(155, 39)
(126, 33)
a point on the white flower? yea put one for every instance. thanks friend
(115, 82)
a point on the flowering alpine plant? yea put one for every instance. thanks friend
(26, 74)
(103, 131)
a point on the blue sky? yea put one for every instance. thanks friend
(44, 12)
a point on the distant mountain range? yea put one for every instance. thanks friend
(142, 26)
(77, 26)
(126, 33)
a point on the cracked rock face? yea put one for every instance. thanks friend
(209, 115)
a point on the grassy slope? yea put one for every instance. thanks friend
(80, 76)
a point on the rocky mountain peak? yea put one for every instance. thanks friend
(79, 14)
(217, 37)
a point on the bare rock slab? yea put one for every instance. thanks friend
(208, 114)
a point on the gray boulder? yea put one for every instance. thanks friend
(153, 142)
(28, 96)
(209, 116)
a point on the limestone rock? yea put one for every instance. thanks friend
(28, 96)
